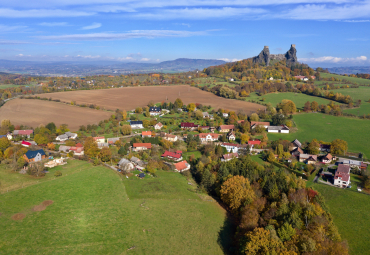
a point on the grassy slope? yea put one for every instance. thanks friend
(361, 93)
(298, 99)
(315, 125)
(350, 211)
(92, 214)
(351, 79)
(363, 109)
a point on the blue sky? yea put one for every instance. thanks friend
(326, 33)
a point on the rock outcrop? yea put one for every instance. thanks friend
(265, 57)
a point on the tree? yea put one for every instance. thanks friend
(338, 146)
(270, 157)
(51, 126)
(64, 128)
(41, 139)
(4, 143)
(307, 107)
(287, 106)
(5, 124)
(314, 147)
(259, 241)
(198, 115)
(280, 150)
(278, 120)
(254, 117)
(139, 110)
(124, 115)
(91, 147)
(244, 126)
(126, 129)
(21, 162)
(236, 191)
(244, 138)
(178, 103)
(146, 123)
(314, 106)
(191, 107)
(51, 146)
(105, 154)
(286, 232)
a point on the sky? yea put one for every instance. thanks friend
(326, 33)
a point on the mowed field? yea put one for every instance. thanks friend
(132, 97)
(92, 210)
(327, 128)
(32, 112)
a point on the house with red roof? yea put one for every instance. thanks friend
(182, 166)
(187, 125)
(176, 156)
(99, 139)
(228, 157)
(28, 143)
(208, 137)
(27, 133)
(327, 159)
(146, 134)
(226, 128)
(158, 126)
(141, 146)
(77, 151)
(342, 176)
(252, 143)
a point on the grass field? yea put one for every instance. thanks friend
(298, 98)
(350, 211)
(361, 93)
(363, 109)
(351, 79)
(327, 128)
(92, 214)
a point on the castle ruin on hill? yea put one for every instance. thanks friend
(265, 57)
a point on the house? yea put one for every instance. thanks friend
(324, 147)
(172, 155)
(295, 144)
(225, 115)
(77, 150)
(304, 78)
(308, 158)
(64, 148)
(228, 157)
(9, 136)
(187, 125)
(141, 175)
(212, 129)
(231, 136)
(208, 137)
(62, 138)
(125, 165)
(231, 147)
(271, 79)
(278, 129)
(259, 123)
(34, 156)
(342, 176)
(99, 139)
(296, 152)
(27, 133)
(226, 128)
(146, 134)
(354, 164)
(112, 140)
(55, 162)
(327, 159)
(138, 163)
(169, 137)
(252, 143)
(141, 146)
(136, 124)
(205, 115)
(182, 166)
(153, 111)
(28, 143)
(203, 127)
(158, 126)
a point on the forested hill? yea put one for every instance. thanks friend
(246, 70)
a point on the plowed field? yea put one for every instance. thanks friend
(132, 97)
(32, 112)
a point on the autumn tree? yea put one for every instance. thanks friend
(307, 107)
(91, 147)
(260, 241)
(286, 232)
(51, 146)
(191, 107)
(126, 130)
(287, 106)
(244, 138)
(105, 154)
(314, 147)
(139, 110)
(4, 143)
(124, 115)
(338, 146)
(254, 117)
(41, 139)
(178, 103)
(236, 191)
(314, 106)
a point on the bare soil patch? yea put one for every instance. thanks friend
(32, 112)
(132, 97)
(42, 206)
(18, 216)
(48, 202)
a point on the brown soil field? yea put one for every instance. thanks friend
(131, 97)
(33, 112)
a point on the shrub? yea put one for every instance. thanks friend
(58, 173)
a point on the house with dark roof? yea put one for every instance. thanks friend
(34, 156)
(153, 111)
(296, 144)
(187, 125)
(325, 147)
(342, 176)
(308, 158)
(297, 151)
(136, 124)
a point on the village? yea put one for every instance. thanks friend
(143, 150)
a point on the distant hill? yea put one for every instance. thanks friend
(104, 67)
(350, 69)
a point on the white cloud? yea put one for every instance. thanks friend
(356, 21)
(145, 59)
(88, 56)
(5, 28)
(11, 42)
(123, 36)
(41, 13)
(53, 24)
(330, 59)
(92, 26)
(229, 60)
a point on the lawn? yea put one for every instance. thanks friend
(327, 128)
(351, 79)
(92, 214)
(350, 211)
(364, 109)
(361, 93)
(186, 155)
(298, 98)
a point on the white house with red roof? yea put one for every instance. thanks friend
(146, 134)
(176, 156)
(158, 126)
(182, 166)
(342, 176)
(228, 157)
(99, 139)
(187, 125)
(141, 146)
(252, 143)
(208, 137)
(231, 147)
(27, 133)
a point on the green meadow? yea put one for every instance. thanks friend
(361, 93)
(98, 211)
(350, 211)
(327, 128)
(351, 79)
(298, 98)
(364, 109)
